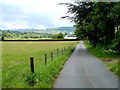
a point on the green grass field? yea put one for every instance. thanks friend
(16, 63)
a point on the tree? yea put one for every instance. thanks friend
(57, 36)
(115, 14)
(95, 21)
(4, 35)
(79, 33)
(54, 36)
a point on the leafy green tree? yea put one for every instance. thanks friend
(79, 33)
(54, 36)
(60, 35)
(5, 35)
(115, 46)
(95, 21)
(57, 36)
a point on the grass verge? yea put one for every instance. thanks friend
(46, 77)
(111, 59)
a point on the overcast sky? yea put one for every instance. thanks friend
(38, 14)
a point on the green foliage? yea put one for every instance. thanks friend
(17, 35)
(32, 79)
(46, 77)
(57, 36)
(114, 67)
(116, 42)
(116, 14)
(78, 33)
(60, 35)
(100, 51)
(95, 21)
(116, 45)
(54, 36)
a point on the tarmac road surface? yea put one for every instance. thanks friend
(83, 70)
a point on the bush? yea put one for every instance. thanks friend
(115, 46)
(100, 51)
(57, 36)
(114, 67)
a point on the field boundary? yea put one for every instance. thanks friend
(38, 69)
(46, 40)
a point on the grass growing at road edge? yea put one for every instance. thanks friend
(111, 60)
(46, 77)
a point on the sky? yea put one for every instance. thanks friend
(33, 14)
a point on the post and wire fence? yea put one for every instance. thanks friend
(51, 56)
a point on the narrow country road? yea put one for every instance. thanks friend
(84, 70)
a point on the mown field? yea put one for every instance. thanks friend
(16, 63)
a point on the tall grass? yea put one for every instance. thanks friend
(100, 51)
(114, 67)
(16, 63)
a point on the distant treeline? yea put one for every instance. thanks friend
(11, 35)
(29, 35)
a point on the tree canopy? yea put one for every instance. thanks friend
(57, 36)
(97, 22)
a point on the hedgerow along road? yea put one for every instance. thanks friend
(83, 70)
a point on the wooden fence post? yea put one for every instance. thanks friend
(62, 50)
(51, 56)
(58, 52)
(32, 64)
(45, 59)
(65, 48)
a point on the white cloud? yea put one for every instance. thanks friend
(40, 27)
(32, 13)
(16, 25)
(22, 25)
